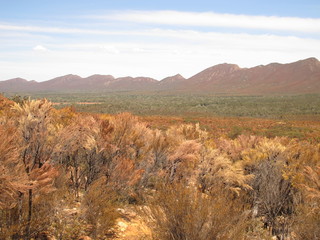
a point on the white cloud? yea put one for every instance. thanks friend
(150, 51)
(40, 48)
(188, 53)
(138, 50)
(110, 49)
(26, 28)
(211, 19)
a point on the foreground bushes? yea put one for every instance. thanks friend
(65, 174)
(179, 212)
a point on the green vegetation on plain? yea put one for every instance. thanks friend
(286, 106)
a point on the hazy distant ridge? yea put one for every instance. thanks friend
(298, 77)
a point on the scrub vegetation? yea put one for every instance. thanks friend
(67, 174)
(166, 104)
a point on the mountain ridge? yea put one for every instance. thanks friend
(302, 76)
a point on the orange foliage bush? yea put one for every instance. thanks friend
(194, 184)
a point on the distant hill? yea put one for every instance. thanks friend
(171, 82)
(298, 77)
(294, 78)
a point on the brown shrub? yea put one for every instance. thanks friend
(99, 208)
(177, 212)
(307, 222)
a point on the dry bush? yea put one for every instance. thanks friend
(128, 160)
(130, 137)
(79, 153)
(165, 148)
(307, 222)
(273, 195)
(178, 135)
(42, 179)
(13, 179)
(177, 212)
(255, 230)
(312, 187)
(91, 148)
(188, 132)
(43, 204)
(44, 213)
(14, 183)
(216, 169)
(209, 182)
(300, 155)
(99, 208)
(5, 103)
(36, 215)
(160, 148)
(302, 171)
(33, 119)
(123, 177)
(28, 161)
(183, 161)
(306, 225)
(234, 148)
(175, 153)
(38, 139)
(64, 116)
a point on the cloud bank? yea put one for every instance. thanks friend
(152, 43)
(211, 19)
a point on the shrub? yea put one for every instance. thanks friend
(177, 212)
(99, 208)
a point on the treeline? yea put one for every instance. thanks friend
(186, 184)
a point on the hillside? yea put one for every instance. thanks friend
(294, 78)
(298, 77)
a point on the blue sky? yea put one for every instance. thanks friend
(43, 39)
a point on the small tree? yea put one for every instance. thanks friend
(77, 151)
(38, 135)
(14, 182)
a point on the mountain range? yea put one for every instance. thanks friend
(293, 78)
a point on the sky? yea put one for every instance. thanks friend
(43, 39)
